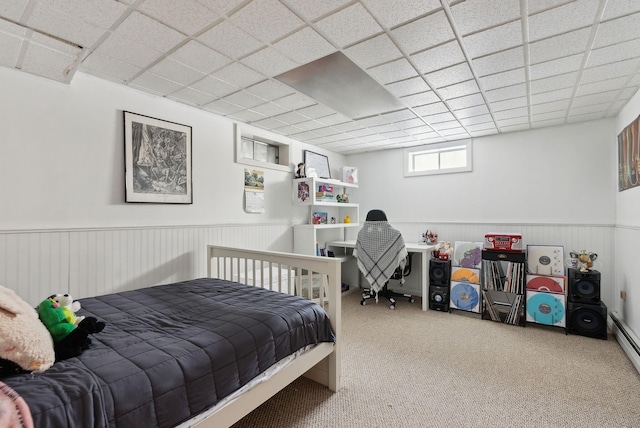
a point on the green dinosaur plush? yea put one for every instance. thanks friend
(69, 340)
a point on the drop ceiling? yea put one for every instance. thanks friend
(451, 69)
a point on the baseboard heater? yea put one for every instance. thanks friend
(626, 338)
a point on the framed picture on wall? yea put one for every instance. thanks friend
(157, 160)
(317, 162)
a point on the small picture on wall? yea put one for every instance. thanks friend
(157, 160)
(629, 156)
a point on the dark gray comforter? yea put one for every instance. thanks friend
(169, 352)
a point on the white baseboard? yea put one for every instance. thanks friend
(626, 338)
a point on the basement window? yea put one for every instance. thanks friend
(441, 158)
(261, 152)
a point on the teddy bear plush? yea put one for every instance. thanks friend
(69, 340)
(69, 307)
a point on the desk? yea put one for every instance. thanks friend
(412, 247)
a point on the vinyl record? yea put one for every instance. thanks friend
(464, 296)
(554, 284)
(465, 275)
(545, 259)
(546, 308)
(467, 254)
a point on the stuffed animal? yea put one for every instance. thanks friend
(69, 307)
(25, 341)
(68, 340)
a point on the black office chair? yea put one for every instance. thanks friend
(373, 232)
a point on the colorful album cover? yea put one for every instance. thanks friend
(545, 259)
(553, 284)
(467, 254)
(465, 296)
(546, 308)
(462, 274)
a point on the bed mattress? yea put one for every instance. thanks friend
(170, 352)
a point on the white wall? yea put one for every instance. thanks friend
(64, 225)
(628, 235)
(554, 186)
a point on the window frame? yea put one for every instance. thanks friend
(283, 151)
(439, 148)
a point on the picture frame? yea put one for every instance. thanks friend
(318, 162)
(157, 160)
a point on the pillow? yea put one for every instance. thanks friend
(25, 340)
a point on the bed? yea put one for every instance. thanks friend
(203, 352)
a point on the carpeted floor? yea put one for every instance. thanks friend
(408, 368)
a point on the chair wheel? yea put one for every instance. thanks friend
(411, 300)
(363, 302)
(392, 306)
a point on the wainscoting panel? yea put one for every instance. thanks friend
(99, 261)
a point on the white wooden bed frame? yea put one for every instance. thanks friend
(273, 270)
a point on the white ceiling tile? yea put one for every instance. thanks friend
(476, 120)
(47, 19)
(9, 46)
(198, 56)
(222, 7)
(392, 13)
(499, 62)
(556, 66)
(399, 116)
(373, 121)
(189, 18)
(499, 80)
(213, 86)
(247, 116)
(420, 131)
(559, 46)
(295, 101)
(590, 109)
(515, 128)
(311, 125)
(545, 97)
(618, 8)
(512, 113)
(506, 93)
(409, 124)
(586, 117)
(292, 118)
(191, 96)
(313, 9)
(521, 120)
(244, 99)
(148, 32)
(459, 89)
(348, 26)
(494, 39)
(559, 115)
(96, 12)
(547, 123)
(393, 71)
(453, 124)
(602, 97)
(96, 63)
(347, 126)
(472, 16)
(304, 46)
(442, 56)
(13, 9)
(508, 104)
(608, 71)
(332, 119)
(420, 99)
(267, 20)
(614, 53)
(47, 62)
(561, 105)
(471, 111)
(448, 76)
(466, 101)
(269, 61)
(230, 40)
(222, 107)
(601, 86)
(327, 131)
(554, 83)
(384, 128)
(569, 17)
(129, 51)
(270, 109)
(176, 72)
(270, 89)
(438, 118)
(618, 30)
(425, 110)
(393, 135)
(316, 111)
(238, 75)
(536, 6)
(156, 84)
(423, 33)
(408, 86)
(476, 129)
(374, 51)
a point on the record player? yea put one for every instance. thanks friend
(503, 241)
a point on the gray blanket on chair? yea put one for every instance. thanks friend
(380, 250)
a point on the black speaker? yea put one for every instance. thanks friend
(439, 298)
(584, 287)
(587, 320)
(439, 272)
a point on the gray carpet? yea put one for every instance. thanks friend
(408, 368)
